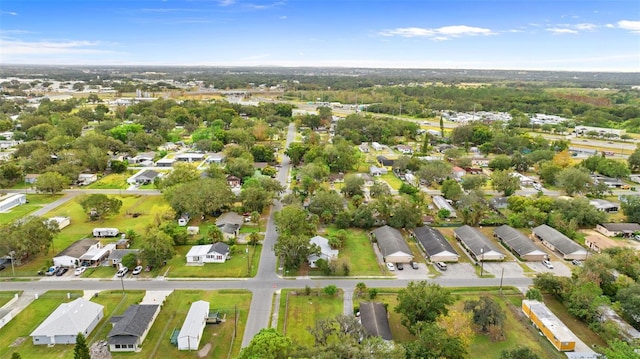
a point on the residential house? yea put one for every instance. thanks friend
(336, 177)
(142, 159)
(551, 327)
(168, 146)
(628, 333)
(368, 179)
(61, 222)
(385, 162)
(233, 181)
(518, 243)
(479, 246)
(165, 162)
(458, 172)
(364, 147)
(208, 253)
(441, 203)
(130, 329)
(404, 149)
(143, 177)
(63, 325)
(557, 241)
(435, 245)
(603, 205)
(85, 179)
(116, 255)
(70, 256)
(12, 200)
(189, 157)
(480, 161)
(376, 171)
(377, 147)
(499, 202)
(229, 223)
(193, 326)
(216, 158)
(392, 245)
(184, 219)
(105, 232)
(326, 252)
(31, 178)
(598, 243)
(524, 180)
(374, 319)
(618, 229)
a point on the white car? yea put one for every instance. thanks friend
(122, 272)
(547, 264)
(137, 270)
(79, 270)
(391, 267)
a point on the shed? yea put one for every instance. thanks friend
(193, 230)
(603, 205)
(518, 243)
(31, 178)
(193, 326)
(557, 241)
(392, 245)
(105, 232)
(435, 245)
(374, 319)
(63, 325)
(553, 328)
(479, 246)
(61, 222)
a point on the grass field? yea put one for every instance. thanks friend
(299, 312)
(112, 181)
(359, 252)
(236, 267)
(6, 297)
(35, 202)
(392, 180)
(399, 333)
(14, 337)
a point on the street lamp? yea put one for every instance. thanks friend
(122, 282)
(13, 270)
(482, 262)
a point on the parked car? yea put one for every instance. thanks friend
(441, 265)
(576, 262)
(61, 271)
(51, 271)
(2, 266)
(137, 270)
(390, 266)
(399, 266)
(414, 265)
(547, 264)
(79, 270)
(122, 271)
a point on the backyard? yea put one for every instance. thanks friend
(34, 202)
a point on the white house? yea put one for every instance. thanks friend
(63, 325)
(12, 200)
(208, 253)
(105, 232)
(70, 256)
(326, 252)
(87, 178)
(193, 326)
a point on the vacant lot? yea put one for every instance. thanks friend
(358, 251)
(35, 202)
(112, 181)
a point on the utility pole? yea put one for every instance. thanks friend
(13, 270)
(482, 262)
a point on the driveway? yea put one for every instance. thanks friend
(560, 268)
(511, 269)
(422, 273)
(457, 270)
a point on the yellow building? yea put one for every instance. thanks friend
(553, 328)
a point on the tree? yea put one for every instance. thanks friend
(293, 220)
(16, 355)
(294, 249)
(451, 189)
(182, 173)
(434, 171)
(548, 172)
(504, 182)
(157, 247)
(352, 185)
(81, 350)
(434, 343)
(378, 189)
(486, 312)
(118, 166)
(254, 238)
(255, 199)
(213, 195)
(130, 260)
(458, 324)
(629, 299)
(613, 168)
(634, 160)
(471, 182)
(27, 236)
(406, 213)
(51, 182)
(500, 163)
(267, 344)
(621, 350)
(534, 294)
(573, 180)
(631, 208)
(296, 152)
(99, 206)
(422, 302)
(326, 201)
(519, 353)
(240, 167)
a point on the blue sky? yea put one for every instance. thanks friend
(517, 34)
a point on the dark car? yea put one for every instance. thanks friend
(2, 266)
(399, 266)
(61, 271)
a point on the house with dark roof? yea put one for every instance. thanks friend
(385, 162)
(131, 328)
(435, 245)
(392, 245)
(518, 243)
(143, 177)
(479, 246)
(557, 241)
(373, 317)
(603, 205)
(229, 223)
(116, 255)
(70, 256)
(618, 229)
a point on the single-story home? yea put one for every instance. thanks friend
(189, 157)
(143, 177)
(336, 177)
(216, 158)
(61, 222)
(376, 171)
(618, 229)
(628, 333)
(326, 252)
(458, 172)
(131, 328)
(96, 256)
(85, 179)
(598, 243)
(31, 178)
(364, 147)
(374, 319)
(229, 223)
(12, 200)
(63, 325)
(193, 326)
(376, 146)
(105, 232)
(385, 162)
(165, 162)
(435, 245)
(208, 253)
(116, 255)
(392, 245)
(518, 243)
(479, 246)
(144, 158)
(441, 203)
(404, 149)
(233, 181)
(70, 256)
(603, 205)
(499, 202)
(557, 241)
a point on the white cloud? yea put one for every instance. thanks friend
(13, 47)
(585, 27)
(12, 13)
(558, 31)
(633, 26)
(283, 17)
(610, 26)
(442, 33)
(226, 2)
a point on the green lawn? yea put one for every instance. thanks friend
(359, 252)
(220, 336)
(112, 181)
(6, 297)
(399, 332)
(26, 321)
(82, 227)
(392, 180)
(35, 202)
(303, 311)
(235, 267)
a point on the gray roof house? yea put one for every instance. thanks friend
(603, 205)
(326, 252)
(373, 317)
(479, 246)
(557, 241)
(116, 255)
(518, 243)
(618, 229)
(229, 223)
(70, 256)
(435, 245)
(63, 325)
(146, 177)
(392, 245)
(130, 329)
(442, 203)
